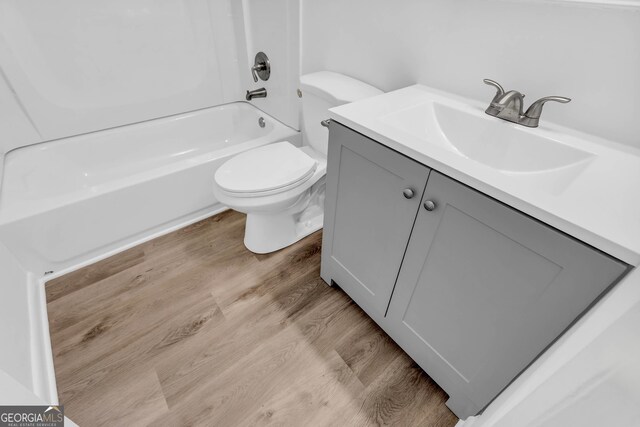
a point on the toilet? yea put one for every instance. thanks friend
(280, 186)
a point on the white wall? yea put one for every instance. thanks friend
(588, 52)
(79, 66)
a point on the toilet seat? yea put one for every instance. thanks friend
(270, 169)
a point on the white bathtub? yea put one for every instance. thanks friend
(68, 201)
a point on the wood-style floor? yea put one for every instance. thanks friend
(193, 329)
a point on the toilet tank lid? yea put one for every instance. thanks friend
(336, 88)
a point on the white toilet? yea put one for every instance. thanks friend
(280, 186)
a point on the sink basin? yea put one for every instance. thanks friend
(501, 145)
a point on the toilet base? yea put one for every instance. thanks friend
(266, 233)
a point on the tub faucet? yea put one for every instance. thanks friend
(258, 93)
(508, 106)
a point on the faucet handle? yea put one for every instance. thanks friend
(535, 110)
(254, 71)
(499, 89)
(532, 116)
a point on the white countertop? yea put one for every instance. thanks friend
(600, 205)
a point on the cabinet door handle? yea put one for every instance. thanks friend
(408, 193)
(429, 205)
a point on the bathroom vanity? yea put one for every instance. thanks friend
(470, 287)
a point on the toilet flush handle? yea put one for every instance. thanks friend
(325, 123)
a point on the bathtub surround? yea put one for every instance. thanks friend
(16, 130)
(176, 55)
(62, 73)
(272, 27)
(55, 84)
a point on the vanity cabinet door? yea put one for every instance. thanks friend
(484, 289)
(372, 198)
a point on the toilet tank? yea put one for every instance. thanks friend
(323, 90)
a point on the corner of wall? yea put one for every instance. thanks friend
(16, 128)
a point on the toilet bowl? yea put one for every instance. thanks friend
(281, 189)
(280, 186)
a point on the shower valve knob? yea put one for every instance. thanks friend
(261, 67)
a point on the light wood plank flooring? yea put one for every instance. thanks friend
(193, 329)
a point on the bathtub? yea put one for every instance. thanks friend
(67, 202)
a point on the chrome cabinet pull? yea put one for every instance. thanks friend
(408, 193)
(429, 205)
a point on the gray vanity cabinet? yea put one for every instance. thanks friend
(470, 288)
(483, 289)
(368, 216)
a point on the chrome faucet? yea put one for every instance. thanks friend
(505, 105)
(258, 93)
(509, 105)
